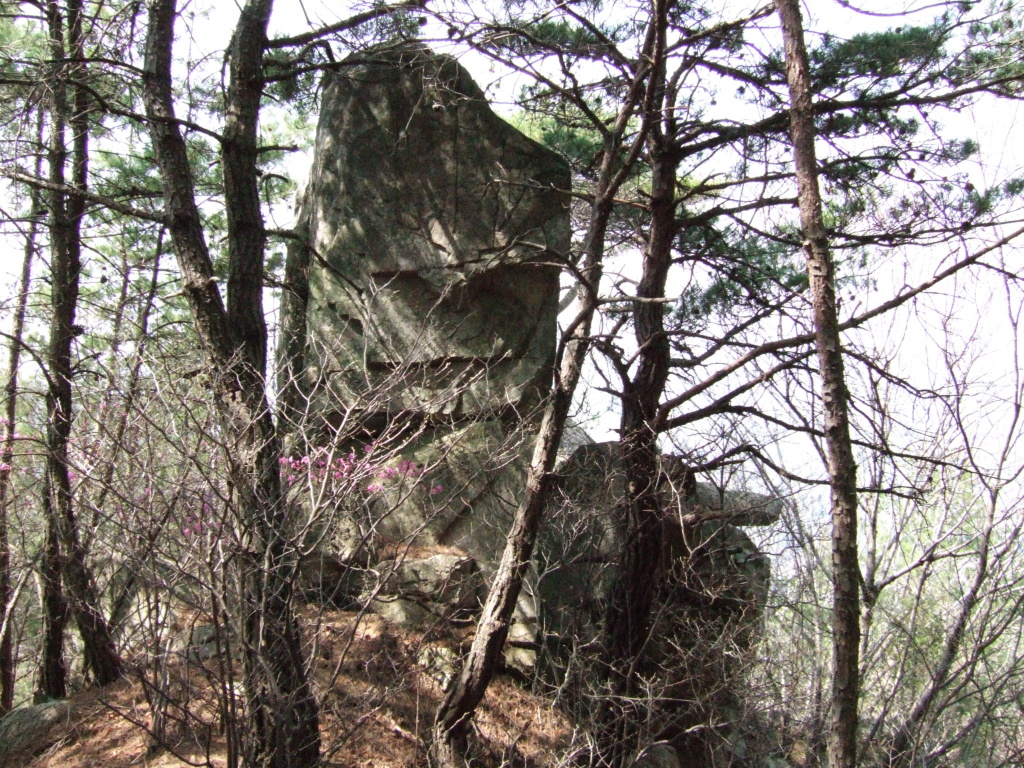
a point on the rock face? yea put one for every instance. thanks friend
(428, 292)
(582, 536)
(418, 590)
(436, 228)
(709, 604)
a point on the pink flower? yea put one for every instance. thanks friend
(436, 490)
(373, 488)
(291, 479)
(4, 466)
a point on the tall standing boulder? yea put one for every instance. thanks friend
(425, 291)
(436, 228)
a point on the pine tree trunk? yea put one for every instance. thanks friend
(66, 214)
(282, 714)
(7, 664)
(841, 465)
(628, 620)
(53, 670)
(628, 623)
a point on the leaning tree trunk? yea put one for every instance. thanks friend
(67, 211)
(282, 714)
(841, 465)
(453, 717)
(628, 619)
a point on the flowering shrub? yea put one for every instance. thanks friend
(359, 474)
(342, 473)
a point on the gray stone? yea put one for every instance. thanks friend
(709, 600)
(425, 299)
(326, 577)
(582, 537)
(435, 229)
(28, 731)
(440, 662)
(413, 589)
(205, 642)
(428, 294)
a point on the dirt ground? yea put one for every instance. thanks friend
(378, 684)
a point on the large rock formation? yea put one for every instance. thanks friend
(426, 295)
(583, 535)
(422, 312)
(30, 730)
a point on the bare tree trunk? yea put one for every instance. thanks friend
(453, 716)
(282, 714)
(66, 213)
(7, 665)
(627, 624)
(841, 465)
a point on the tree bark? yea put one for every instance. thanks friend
(453, 716)
(7, 664)
(66, 215)
(53, 670)
(841, 465)
(282, 714)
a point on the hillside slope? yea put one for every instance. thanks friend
(379, 687)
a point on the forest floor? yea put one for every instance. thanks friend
(378, 684)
